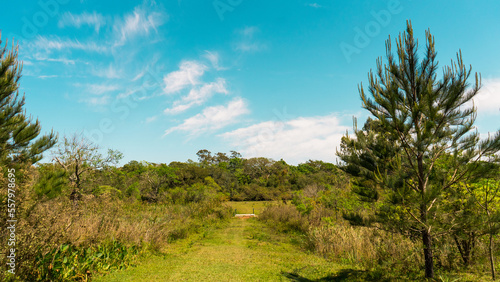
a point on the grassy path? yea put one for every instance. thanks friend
(243, 250)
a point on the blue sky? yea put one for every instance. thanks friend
(160, 80)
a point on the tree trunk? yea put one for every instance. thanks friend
(466, 247)
(426, 235)
(77, 174)
(492, 263)
(429, 264)
(462, 252)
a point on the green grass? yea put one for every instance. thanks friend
(243, 250)
(250, 250)
(249, 206)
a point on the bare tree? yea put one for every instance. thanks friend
(77, 156)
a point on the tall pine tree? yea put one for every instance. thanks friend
(426, 119)
(19, 134)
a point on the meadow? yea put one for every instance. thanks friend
(414, 196)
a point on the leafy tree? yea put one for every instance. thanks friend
(427, 118)
(158, 177)
(205, 157)
(134, 167)
(189, 173)
(19, 134)
(221, 158)
(257, 168)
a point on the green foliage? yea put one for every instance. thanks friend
(133, 191)
(69, 262)
(19, 134)
(419, 121)
(134, 168)
(303, 204)
(51, 183)
(237, 178)
(107, 190)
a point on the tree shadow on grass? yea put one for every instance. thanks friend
(342, 275)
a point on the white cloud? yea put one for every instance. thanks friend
(212, 118)
(214, 59)
(247, 41)
(94, 19)
(295, 141)
(65, 61)
(151, 119)
(56, 43)
(198, 96)
(487, 100)
(314, 5)
(97, 101)
(47, 76)
(249, 31)
(97, 94)
(109, 72)
(139, 22)
(98, 89)
(188, 75)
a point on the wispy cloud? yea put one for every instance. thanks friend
(47, 76)
(97, 94)
(198, 96)
(188, 75)
(65, 61)
(212, 118)
(97, 101)
(214, 59)
(94, 20)
(151, 119)
(109, 72)
(56, 43)
(247, 41)
(97, 89)
(314, 5)
(140, 22)
(296, 140)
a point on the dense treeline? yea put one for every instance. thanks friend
(231, 177)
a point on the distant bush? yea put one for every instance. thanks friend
(287, 217)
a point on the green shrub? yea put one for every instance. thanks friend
(133, 191)
(285, 217)
(69, 262)
(106, 189)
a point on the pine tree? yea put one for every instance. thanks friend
(426, 118)
(19, 134)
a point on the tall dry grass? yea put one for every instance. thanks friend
(369, 247)
(337, 240)
(53, 235)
